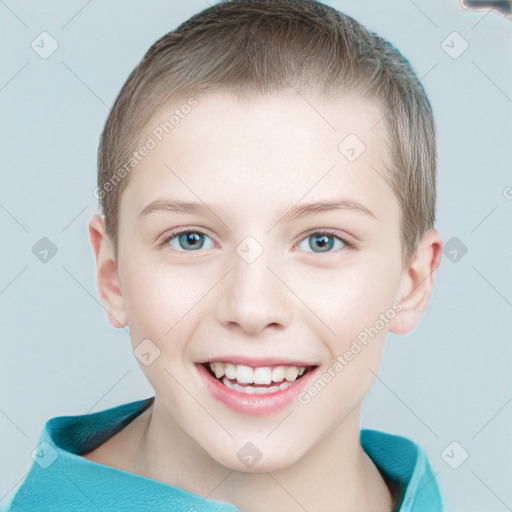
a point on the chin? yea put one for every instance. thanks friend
(249, 458)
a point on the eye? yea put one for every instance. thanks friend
(193, 240)
(324, 241)
(189, 240)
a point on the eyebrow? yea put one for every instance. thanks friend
(293, 213)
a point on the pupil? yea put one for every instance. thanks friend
(323, 241)
(190, 238)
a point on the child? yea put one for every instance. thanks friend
(267, 180)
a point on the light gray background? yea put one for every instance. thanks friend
(448, 381)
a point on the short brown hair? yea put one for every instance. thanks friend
(254, 47)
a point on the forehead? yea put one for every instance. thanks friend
(255, 153)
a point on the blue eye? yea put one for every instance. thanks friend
(324, 241)
(189, 241)
(192, 240)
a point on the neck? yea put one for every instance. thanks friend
(336, 471)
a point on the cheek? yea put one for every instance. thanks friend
(352, 304)
(161, 301)
(162, 304)
(348, 300)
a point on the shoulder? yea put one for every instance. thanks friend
(77, 461)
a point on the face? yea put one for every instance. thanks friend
(256, 301)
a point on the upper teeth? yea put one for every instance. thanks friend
(263, 375)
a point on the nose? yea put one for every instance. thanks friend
(252, 297)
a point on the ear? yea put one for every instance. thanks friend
(417, 283)
(107, 276)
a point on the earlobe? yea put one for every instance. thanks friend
(417, 283)
(107, 276)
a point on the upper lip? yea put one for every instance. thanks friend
(255, 362)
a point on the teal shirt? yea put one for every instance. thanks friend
(61, 480)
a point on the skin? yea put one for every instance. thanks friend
(250, 161)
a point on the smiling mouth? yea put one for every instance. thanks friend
(258, 380)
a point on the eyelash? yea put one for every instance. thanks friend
(346, 243)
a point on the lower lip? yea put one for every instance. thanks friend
(253, 404)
